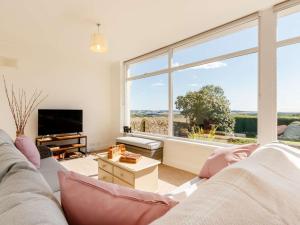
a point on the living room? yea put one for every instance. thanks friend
(197, 79)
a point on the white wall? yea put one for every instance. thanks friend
(117, 99)
(72, 80)
(185, 155)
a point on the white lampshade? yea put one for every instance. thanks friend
(98, 43)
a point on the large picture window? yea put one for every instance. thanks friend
(209, 87)
(206, 89)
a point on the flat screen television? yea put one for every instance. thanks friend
(59, 121)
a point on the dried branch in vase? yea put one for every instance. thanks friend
(22, 106)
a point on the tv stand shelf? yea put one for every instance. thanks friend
(61, 148)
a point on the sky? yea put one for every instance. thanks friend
(237, 76)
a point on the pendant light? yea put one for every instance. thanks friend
(98, 42)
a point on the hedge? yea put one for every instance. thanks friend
(248, 124)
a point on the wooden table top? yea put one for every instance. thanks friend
(144, 163)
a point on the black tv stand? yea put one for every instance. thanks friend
(61, 148)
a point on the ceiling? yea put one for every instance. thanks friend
(132, 27)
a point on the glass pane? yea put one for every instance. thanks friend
(217, 103)
(288, 26)
(288, 93)
(148, 66)
(241, 40)
(149, 104)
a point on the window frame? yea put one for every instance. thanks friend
(262, 17)
(200, 38)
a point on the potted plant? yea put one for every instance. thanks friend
(22, 106)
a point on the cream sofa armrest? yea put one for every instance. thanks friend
(186, 189)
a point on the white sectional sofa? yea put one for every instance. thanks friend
(263, 189)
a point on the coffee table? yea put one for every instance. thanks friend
(142, 175)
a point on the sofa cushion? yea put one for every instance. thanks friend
(141, 142)
(186, 190)
(9, 155)
(5, 138)
(29, 149)
(49, 168)
(223, 157)
(95, 202)
(25, 197)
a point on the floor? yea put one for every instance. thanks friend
(169, 177)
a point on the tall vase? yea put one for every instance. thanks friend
(19, 133)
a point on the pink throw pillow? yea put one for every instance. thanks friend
(223, 157)
(29, 149)
(87, 201)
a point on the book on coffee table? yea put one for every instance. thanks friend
(130, 157)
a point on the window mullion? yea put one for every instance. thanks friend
(170, 92)
(267, 101)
